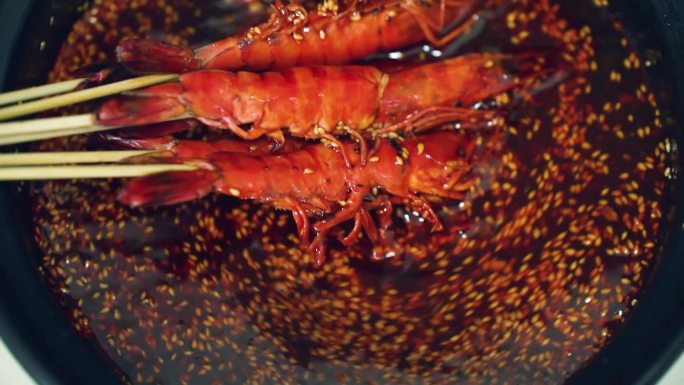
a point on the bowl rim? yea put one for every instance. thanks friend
(37, 332)
(33, 327)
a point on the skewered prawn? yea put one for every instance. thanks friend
(317, 102)
(295, 37)
(307, 181)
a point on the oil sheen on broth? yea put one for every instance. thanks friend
(218, 292)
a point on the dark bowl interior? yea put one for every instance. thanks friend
(39, 335)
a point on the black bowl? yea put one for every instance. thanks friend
(32, 325)
(38, 333)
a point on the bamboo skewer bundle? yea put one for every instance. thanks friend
(15, 132)
(68, 165)
(71, 98)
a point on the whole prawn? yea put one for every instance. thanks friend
(319, 102)
(333, 34)
(308, 181)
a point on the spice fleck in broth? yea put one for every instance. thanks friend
(219, 292)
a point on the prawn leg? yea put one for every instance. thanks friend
(349, 9)
(303, 224)
(349, 211)
(285, 18)
(427, 211)
(364, 221)
(435, 116)
(363, 145)
(431, 28)
(254, 133)
(360, 223)
(384, 209)
(449, 37)
(338, 145)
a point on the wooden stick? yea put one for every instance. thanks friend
(16, 139)
(39, 129)
(88, 172)
(48, 124)
(39, 92)
(82, 96)
(73, 157)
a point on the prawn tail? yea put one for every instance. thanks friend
(168, 188)
(151, 56)
(152, 105)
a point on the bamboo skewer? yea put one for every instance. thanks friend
(69, 165)
(88, 172)
(73, 157)
(39, 91)
(39, 129)
(79, 165)
(47, 124)
(16, 139)
(82, 96)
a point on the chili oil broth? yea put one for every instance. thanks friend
(532, 276)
